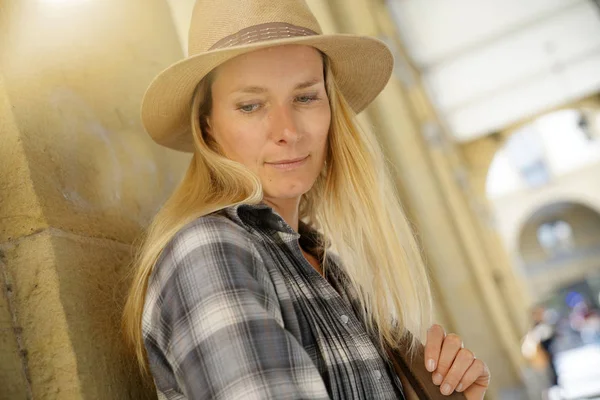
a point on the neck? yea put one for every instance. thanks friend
(286, 208)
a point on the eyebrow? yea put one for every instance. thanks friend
(308, 83)
(259, 89)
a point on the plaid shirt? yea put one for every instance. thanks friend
(234, 311)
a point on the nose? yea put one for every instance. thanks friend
(284, 126)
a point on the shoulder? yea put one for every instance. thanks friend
(211, 265)
(209, 256)
(213, 229)
(209, 242)
(210, 232)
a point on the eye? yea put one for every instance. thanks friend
(248, 108)
(306, 99)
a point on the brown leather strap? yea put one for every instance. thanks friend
(413, 369)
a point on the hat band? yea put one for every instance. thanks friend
(262, 33)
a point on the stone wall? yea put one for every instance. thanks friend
(79, 180)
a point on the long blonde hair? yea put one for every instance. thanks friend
(353, 203)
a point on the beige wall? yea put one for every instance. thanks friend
(78, 181)
(562, 273)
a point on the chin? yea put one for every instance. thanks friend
(286, 190)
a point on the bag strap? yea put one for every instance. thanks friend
(413, 369)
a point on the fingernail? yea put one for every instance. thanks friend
(431, 365)
(459, 387)
(437, 378)
(446, 389)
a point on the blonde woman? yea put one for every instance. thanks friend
(282, 267)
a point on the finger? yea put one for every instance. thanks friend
(461, 364)
(450, 348)
(433, 346)
(476, 378)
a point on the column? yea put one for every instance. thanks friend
(79, 180)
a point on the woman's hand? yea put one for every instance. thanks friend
(454, 367)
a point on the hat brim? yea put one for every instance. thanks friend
(362, 66)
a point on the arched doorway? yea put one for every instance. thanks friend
(558, 245)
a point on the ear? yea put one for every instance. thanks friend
(206, 125)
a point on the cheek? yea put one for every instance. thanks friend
(243, 148)
(320, 128)
(239, 140)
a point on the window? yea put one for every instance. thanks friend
(526, 152)
(555, 237)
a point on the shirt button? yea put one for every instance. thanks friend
(344, 319)
(377, 374)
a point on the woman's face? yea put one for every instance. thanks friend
(271, 113)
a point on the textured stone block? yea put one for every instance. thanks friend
(69, 293)
(20, 212)
(12, 374)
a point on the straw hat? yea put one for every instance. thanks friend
(221, 30)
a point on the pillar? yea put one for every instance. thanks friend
(79, 180)
(464, 289)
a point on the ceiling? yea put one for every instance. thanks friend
(488, 64)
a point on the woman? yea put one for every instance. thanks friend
(282, 266)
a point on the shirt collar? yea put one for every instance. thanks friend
(259, 216)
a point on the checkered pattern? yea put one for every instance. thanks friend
(234, 311)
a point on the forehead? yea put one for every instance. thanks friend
(271, 63)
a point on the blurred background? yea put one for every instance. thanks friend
(490, 123)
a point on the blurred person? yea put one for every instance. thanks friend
(538, 344)
(282, 266)
(586, 321)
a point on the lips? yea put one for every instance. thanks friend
(289, 161)
(289, 164)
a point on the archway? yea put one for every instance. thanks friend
(559, 244)
(554, 159)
